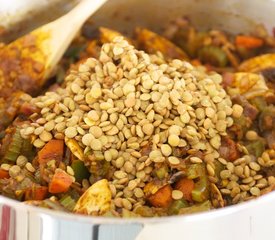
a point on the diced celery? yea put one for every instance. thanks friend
(205, 206)
(67, 202)
(201, 191)
(175, 207)
(195, 170)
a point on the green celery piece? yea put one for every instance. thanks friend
(14, 147)
(201, 190)
(195, 171)
(175, 207)
(205, 206)
(11, 156)
(67, 202)
(161, 173)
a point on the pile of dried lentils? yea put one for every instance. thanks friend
(127, 100)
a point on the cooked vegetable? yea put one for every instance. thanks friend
(249, 85)
(52, 203)
(205, 206)
(213, 55)
(195, 170)
(258, 64)
(76, 150)
(27, 149)
(186, 186)
(200, 193)
(68, 202)
(256, 148)
(228, 149)
(4, 174)
(60, 182)
(162, 197)
(152, 43)
(267, 119)
(73, 52)
(80, 171)
(175, 207)
(144, 211)
(161, 172)
(216, 196)
(54, 149)
(249, 41)
(107, 35)
(12, 145)
(99, 167)
(259, 103)
(131, 134)
(96, 200)
(36, 193)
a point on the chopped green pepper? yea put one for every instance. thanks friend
(27, 149)
(74, 51)
(80, 170)
(213, 55)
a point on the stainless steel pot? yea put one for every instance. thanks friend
(19, 17)
(252, 220)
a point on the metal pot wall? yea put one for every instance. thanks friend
(252, 220)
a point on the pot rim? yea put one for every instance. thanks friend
(215, 213)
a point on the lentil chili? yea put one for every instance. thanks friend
(125, 133)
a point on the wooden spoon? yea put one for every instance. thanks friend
(28, 62)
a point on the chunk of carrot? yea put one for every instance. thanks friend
(248, 41)
(54, 149)
(229, 150)
(186, 186)
(4, 174)
(60, 182)
(162, 198)
(36, 193)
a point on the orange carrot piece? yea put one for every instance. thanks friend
(36, 193)
(60, 182)
(52, 150)
(249, 41)
(196, 62)
(185, 186)
(162, 198)
(4, 174)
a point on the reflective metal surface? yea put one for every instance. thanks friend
(18, 17)
(253, 220)
(22, 222)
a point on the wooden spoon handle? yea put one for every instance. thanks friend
(63, 30)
